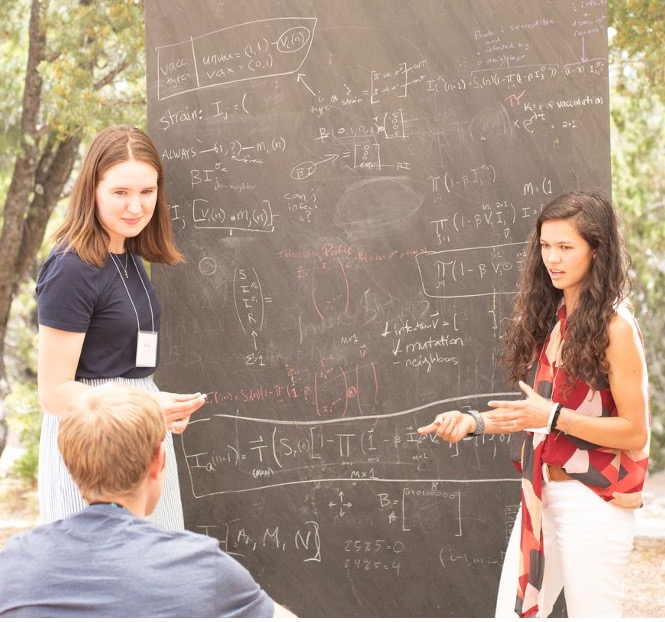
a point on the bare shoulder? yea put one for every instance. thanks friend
(626, 348)
(623, 326)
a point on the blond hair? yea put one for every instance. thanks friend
(109, 438)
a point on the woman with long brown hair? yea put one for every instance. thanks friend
(584, 415)
(99, 314)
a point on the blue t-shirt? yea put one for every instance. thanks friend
(76, 296)
(106, 562)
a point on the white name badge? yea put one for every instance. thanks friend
(146, 349)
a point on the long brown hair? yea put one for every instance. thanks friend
(606, 284)
(82, 231)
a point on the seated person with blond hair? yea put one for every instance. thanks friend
(107, 560)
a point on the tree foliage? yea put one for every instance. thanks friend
(637, 58)
(69, 69)
(639, 35)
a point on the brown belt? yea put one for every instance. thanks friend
(557, 474)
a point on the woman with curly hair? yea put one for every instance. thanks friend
(583, 427)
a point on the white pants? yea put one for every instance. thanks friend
(587, 543)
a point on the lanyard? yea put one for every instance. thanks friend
(117, 267)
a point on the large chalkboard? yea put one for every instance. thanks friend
(353, 182)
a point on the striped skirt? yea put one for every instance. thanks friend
(59, 495)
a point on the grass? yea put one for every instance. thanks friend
(19, 507)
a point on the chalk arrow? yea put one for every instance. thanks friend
(584, 58)
(300, 79)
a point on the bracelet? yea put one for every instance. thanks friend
(568, 417)
(551, 417)
(480, 422)
(555, 418)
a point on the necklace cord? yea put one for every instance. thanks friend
(117, 261)
(152, 314)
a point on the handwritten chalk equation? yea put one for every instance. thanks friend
(363, 150)
(257, 49)
(240, 540)
(416, 506)
(233, 453)
(258, 218)
(500, 215)
(237, 151)
(330, 389)
(468, 272)
(249, 301)
(398, 81)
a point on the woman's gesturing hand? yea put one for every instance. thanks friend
(178, 408)
(515, 415)
(450, 426)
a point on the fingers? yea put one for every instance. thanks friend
(449, 426)
(503, 404)
(448, 429)
(439, 425)
(527, 389)
(178, 426)
(505, 418)
(428, 429)
(510, 425)
(180, 406)
(194, 403)
(516, 415)
(187, 397)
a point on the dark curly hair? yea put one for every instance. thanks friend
(606, 284)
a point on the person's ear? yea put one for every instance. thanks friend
(158, 463)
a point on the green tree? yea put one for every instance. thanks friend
(639, 34)
(72, 69)
(637, 58)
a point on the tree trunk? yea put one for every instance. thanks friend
(14, 225)
(44, 159)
